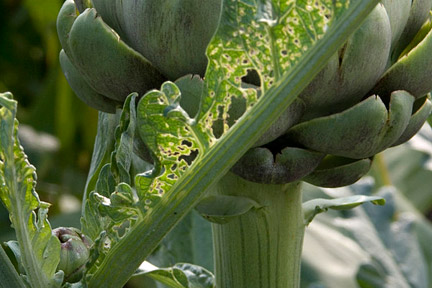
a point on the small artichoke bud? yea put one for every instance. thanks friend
(75, 251)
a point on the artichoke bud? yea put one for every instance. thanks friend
(75, 251)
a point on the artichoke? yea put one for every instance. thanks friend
(119, 47)
(75, 251)
(373, 94)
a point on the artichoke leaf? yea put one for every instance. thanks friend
(40, 249)
(170, 134)
(181, 275)
(257, 39)
(8, 273)
(313, 207)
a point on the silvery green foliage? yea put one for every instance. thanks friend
(366, 247)
(410, 168)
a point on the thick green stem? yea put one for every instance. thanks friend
(261, 248)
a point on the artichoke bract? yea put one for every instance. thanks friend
(373, 93)
(115, 48)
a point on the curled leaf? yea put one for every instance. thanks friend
(313, 207)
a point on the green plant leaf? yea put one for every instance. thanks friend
(375, 247)
(218, 155)
(103, 147)
(170, 134)
(92, 222)
(190, 241)
(181, 275)
(8, 275)
(113, 206)
(401, 262)
(409, 168)
(40, 250)
(313, 207)
(370, 242)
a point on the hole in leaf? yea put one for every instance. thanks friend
(252, 77)
(187, 143)
(189, 158)
(236, 110)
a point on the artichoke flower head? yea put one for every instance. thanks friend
(114, 48)
(373, 94)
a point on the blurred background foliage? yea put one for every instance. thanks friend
(57, 131)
